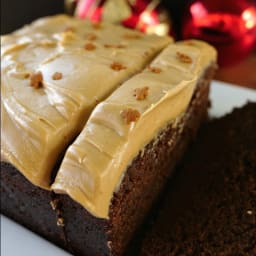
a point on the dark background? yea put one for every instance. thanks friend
(16, 13)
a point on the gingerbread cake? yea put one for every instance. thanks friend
(209, 206)
(94, 119)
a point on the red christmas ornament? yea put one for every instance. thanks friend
(145, 15)
(229, 25)
(90, 9)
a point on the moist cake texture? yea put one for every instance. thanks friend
(209, 207)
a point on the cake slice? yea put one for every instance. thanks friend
(209, 207)
(54, 72)
(122, 125)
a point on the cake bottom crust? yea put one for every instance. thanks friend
(67, 224)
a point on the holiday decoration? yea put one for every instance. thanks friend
(229, 25)
(144, 15)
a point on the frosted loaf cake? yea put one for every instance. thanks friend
(93, 123)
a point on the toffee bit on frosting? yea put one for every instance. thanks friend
(132, 36)
(146, 54)
(91, 37)
(26, 75)
(114, 46)
(141, 93)
(36, 80)
(57, 76)
(117, 66)
(97, 25)
(130, 115)
(183, 57)
(89, 47)
(69, 29)
(155, 69)
(120, 46)
(189, 42)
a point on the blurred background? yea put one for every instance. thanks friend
(229, 25)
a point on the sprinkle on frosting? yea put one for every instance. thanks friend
(184, 58)
(130, 115)
(36, 80)
(117, 66)
(57, 76)
(155, 70)
(141, 93)
(89, 47)
(91, 37)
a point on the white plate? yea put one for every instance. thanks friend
(16, 240)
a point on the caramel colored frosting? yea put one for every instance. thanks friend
(53, 73)
(121, 126)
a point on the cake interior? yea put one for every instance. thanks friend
(209, 206)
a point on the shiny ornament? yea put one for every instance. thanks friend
(229, 25)
(144, 15)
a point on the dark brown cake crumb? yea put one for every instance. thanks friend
(130, 115)
(57, 76)
(141, 93)
(54, 204)
(60, 222)
(209, 207)
(183, 57)
(155, 70)
(36, 80)
(117, 66)
(89, 47)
